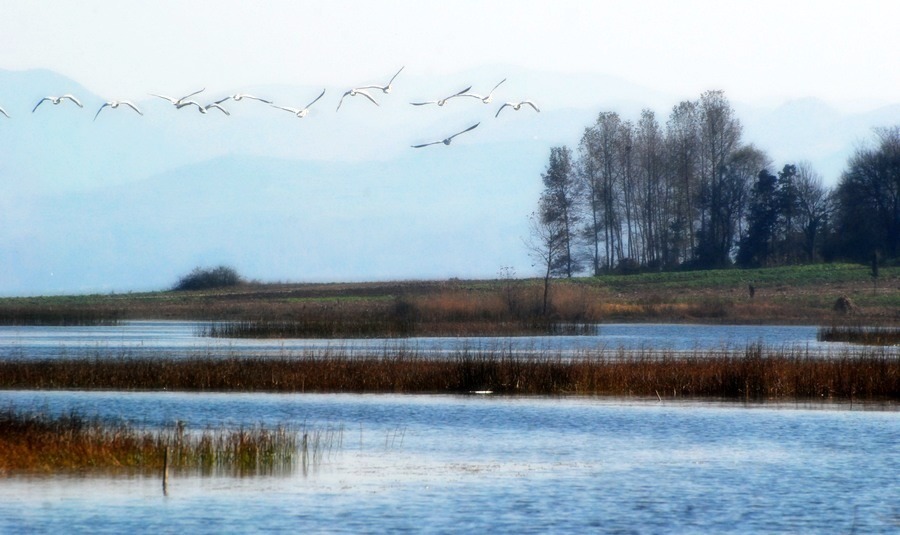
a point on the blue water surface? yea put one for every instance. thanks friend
(451, 464)
(179, 338)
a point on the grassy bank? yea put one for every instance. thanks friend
(751, 374)
(797, 294)
(41, 443)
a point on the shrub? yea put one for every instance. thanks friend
(628, 266)
(207, 278)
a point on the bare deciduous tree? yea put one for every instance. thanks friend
(559, 206)
(720, 136)
(545, 244)
(683, 155)
(814, 204)
(868, 197)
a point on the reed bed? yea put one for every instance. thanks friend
(442, 313)
(857, 334)
(41, 443)
(755, 373)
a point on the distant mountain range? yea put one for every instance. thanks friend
(130, 203)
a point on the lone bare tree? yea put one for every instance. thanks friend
(546, 243)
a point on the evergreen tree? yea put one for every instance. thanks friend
(789, 240)
(756, 245)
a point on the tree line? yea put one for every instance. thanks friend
(692, 194)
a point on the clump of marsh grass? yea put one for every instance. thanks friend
(44, 443)
(858, 334)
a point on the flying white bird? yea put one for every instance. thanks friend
(353, 93)
(442, 101)
(4, 112)
(57, 100)
(517, 106)
(178, 101)
(447, 140)
(241, 96)
(185, 103)
(113, 104)
(300, 112)
(487, 98)
(217, 105)
(385, 88)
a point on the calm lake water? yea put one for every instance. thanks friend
(450, 464)
(178, 338)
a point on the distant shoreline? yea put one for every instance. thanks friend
(806, 295)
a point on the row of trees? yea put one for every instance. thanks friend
(693, 194)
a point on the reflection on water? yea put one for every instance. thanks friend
(456, 463)
(178, 338)
(452, 464)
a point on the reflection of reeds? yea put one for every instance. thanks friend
(389, 328)
(752, 373)
(857, 334)
(39, 442)
(57, 316)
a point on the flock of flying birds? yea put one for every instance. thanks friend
(363, 91)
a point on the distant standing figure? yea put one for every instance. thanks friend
(752, 290)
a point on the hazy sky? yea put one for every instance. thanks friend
(754, 50)
(759, 52)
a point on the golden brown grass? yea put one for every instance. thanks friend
(41, 443)
(754, 373)
(859, 334)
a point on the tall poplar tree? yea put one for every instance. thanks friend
(720, 136)
(558, 207)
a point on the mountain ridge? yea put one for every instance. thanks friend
(129, 202)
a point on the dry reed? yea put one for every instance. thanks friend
(41, 443)
(755, 373)
(858, 334)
